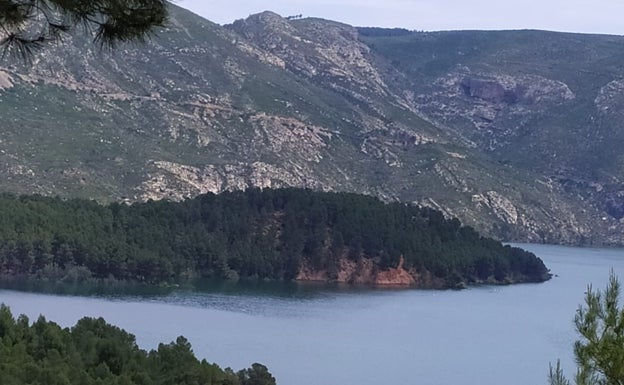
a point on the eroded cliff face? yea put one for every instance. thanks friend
(366, 272)
(328, 52)
(479, 104)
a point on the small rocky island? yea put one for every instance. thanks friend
(285, 234)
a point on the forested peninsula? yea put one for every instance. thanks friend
(285, 234)
(94, 352)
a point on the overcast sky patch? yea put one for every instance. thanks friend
(598, 16)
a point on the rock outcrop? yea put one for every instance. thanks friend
(365, 271)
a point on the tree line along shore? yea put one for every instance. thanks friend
(259, 234)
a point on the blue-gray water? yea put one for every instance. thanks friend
(318, 335)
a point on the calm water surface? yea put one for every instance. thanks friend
(318, 335)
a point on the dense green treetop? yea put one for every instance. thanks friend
(266, 234)
(94, 352)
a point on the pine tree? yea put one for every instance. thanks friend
(26, 25)
(600, 351)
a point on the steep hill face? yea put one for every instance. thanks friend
(546, 102)
(271, 102)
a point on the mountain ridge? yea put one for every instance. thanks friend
(319, 104)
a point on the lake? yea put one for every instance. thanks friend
(314, 334)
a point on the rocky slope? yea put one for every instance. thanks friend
(540, 101)
(486, 127)
(366, 273)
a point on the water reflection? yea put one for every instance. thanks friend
(279, 299)
(109, 289)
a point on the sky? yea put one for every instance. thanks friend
(597, 16)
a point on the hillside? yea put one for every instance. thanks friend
(269, 102)
(287, 234)
(545, 102)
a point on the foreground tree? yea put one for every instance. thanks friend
(28, 24)
(600, 352)
(95, 352)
